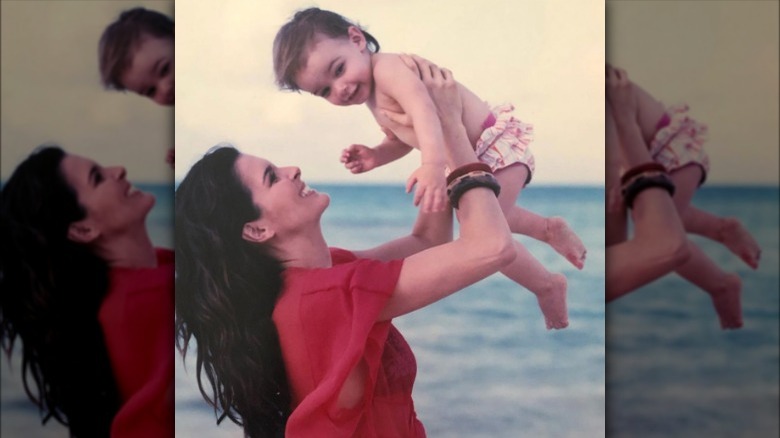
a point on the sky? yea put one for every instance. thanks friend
(545, 57)
(51, 90)
(721, 57)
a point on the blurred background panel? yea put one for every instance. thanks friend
(52, 93)
(51, 89)
(671, 371)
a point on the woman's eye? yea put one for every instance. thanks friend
(273, 178)
(164, 69)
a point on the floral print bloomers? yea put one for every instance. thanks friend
(679, 141)
(504, 141)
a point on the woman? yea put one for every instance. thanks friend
(296, 338)
(89, 297)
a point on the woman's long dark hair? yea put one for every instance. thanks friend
(226, 290)
(51, 292)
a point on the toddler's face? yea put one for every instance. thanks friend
(151, 70)
(338, 69)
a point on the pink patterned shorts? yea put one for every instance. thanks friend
(679, 141)
(504, 141)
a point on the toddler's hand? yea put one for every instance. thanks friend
(431, 192)
(358, 158)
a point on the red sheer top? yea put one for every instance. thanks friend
(327, 323)
(137, 320)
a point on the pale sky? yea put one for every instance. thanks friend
(545, 57)
(721, 57)
(51, 90)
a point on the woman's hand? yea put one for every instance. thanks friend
(442, 88)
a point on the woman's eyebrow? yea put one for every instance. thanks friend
(93, 172)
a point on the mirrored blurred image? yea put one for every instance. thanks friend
(86, 210)
(692, 214)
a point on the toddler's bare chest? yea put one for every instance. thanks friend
(404, 133)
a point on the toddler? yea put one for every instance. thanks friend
(326, 55)
(136, 53)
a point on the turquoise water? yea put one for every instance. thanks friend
(671, 371)
(487, 367)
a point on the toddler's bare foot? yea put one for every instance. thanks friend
(739, 241)
(727, 302)
(565, 241)
(552, 302)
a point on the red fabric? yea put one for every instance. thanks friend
(137, 320)
(327, 323)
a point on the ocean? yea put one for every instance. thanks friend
(487, 367)
(671, 370)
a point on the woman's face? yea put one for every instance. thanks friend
(112, 204)
(287, 204)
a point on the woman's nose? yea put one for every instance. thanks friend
(119, 172)
(292, 172)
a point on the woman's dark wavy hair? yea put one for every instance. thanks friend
(226, 290)
(51, 292)
(293, 41)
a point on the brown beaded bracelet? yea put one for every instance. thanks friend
(646, 181)
(467, 168)
(640, 169)
(471, 180)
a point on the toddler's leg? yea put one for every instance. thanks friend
(549, 288)
(553, 230)
(728, 231)
(724, 288)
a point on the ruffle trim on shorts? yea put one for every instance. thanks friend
(681, 142)
(507, 141)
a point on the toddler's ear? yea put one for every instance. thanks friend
(356, 36)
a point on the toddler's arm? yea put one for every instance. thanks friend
(358, 158)
(394, 79)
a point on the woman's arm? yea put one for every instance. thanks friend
(659, 244)
(393, 79)
(485, 242)
(400, 83)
